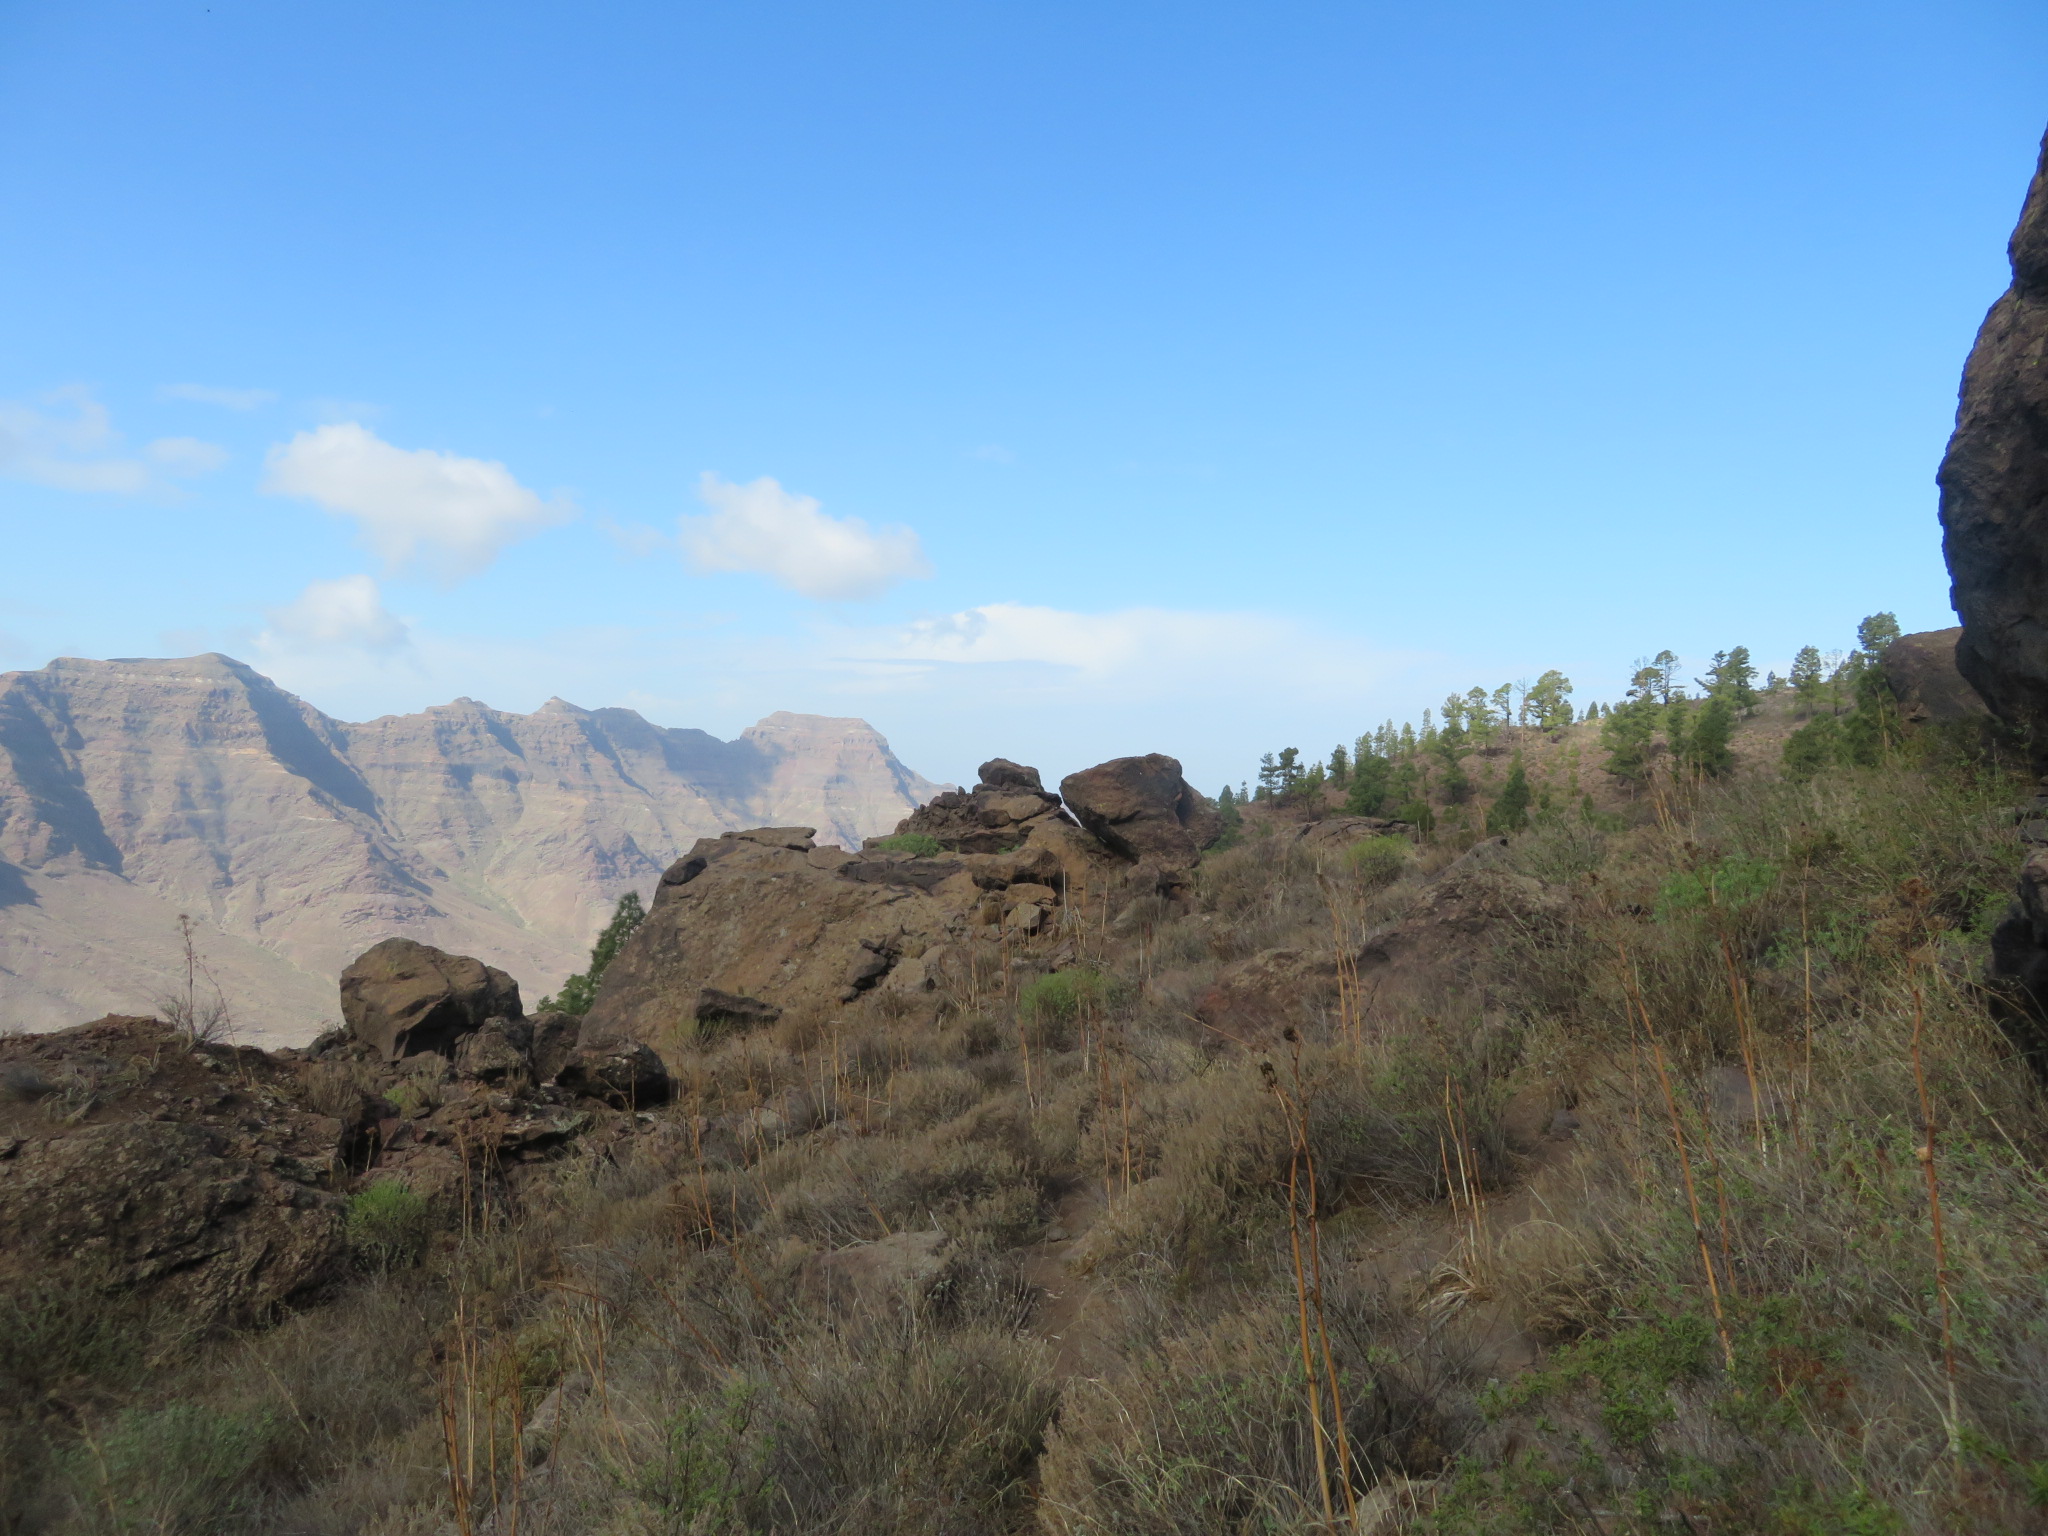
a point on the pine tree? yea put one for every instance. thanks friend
(1707, 752)
(1875, 633)
(1808, 677)
(1371, 778)
(1625, 731)
(1548, 702)
(1732, 678)
(1340, 765)
(1510, 811)
(580, 990)
(1666, 666)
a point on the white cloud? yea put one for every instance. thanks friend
(1095, 643)
(208, 394)
(417, 508)
(186, 455)
(74, 447)
(348, 611)
(761, 527)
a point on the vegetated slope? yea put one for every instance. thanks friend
(131, 791)
(1573, 1182)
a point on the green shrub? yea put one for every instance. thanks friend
(1379, 861)
(1731, 884)
(920, 845)
(169, 1470)
(1064, 996)
(387, 1225)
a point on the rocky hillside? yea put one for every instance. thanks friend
(132, 791)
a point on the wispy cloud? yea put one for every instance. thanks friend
(209, 394)
(347, 611)
(761, 527)
(418, 509)
(65, 439)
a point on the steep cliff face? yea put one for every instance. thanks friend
(131, 791)
(1994, 488)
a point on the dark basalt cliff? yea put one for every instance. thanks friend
(1994, 489)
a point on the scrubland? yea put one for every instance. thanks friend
(1701, 1193)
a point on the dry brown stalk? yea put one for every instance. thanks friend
(1925, 1154)
(1308, 1281)
(1692, 1199)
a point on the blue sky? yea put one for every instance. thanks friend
(1057, 381)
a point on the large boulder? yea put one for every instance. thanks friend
(405, 997)
(1994, 488)
(196, 1177)
(750, 930)
(997, 816)
(1922, 674)
(745, 928)
(1144, 809)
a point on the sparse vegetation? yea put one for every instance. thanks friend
(1620, 1219)
(920, 845)
(580, 990)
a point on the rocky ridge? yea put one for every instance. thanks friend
(131, 791)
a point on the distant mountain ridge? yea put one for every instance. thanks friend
(133, 790)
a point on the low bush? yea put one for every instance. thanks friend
(1379, 861)
(387, 1225)
(921, 845)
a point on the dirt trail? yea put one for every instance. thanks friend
(1071, 1306)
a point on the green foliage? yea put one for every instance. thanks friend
(920, 845)
(1279, 776)
(1340, 765)
(1863, 738)
(1066, 995)
(1548, 704)
(1815, 746)
(580, 990)
(1371, 779)
(709, 1467)
(1510, 810)
(387, 1225)
(172, 1470)
(1730, 884)
(1418, 814)
(1731, 679)
(1379, 861)
(1626, 733)
(1875, 633)
(1706, 750)
(1809, 676)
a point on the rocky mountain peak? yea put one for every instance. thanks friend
(132, 791)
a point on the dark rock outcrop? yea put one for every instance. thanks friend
(1144, 809)
(1922, 674)
(405, 997)
(197, 1176)
(750, 928)
(1994, 489)
(623, 1073)
(996, 816)
(723, 1012)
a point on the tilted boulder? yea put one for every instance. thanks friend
(405, 997)
(996, 816)
(744, 929)
(1922, 674)
(1144, 809)
(1994, 488)
(1994, 519)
